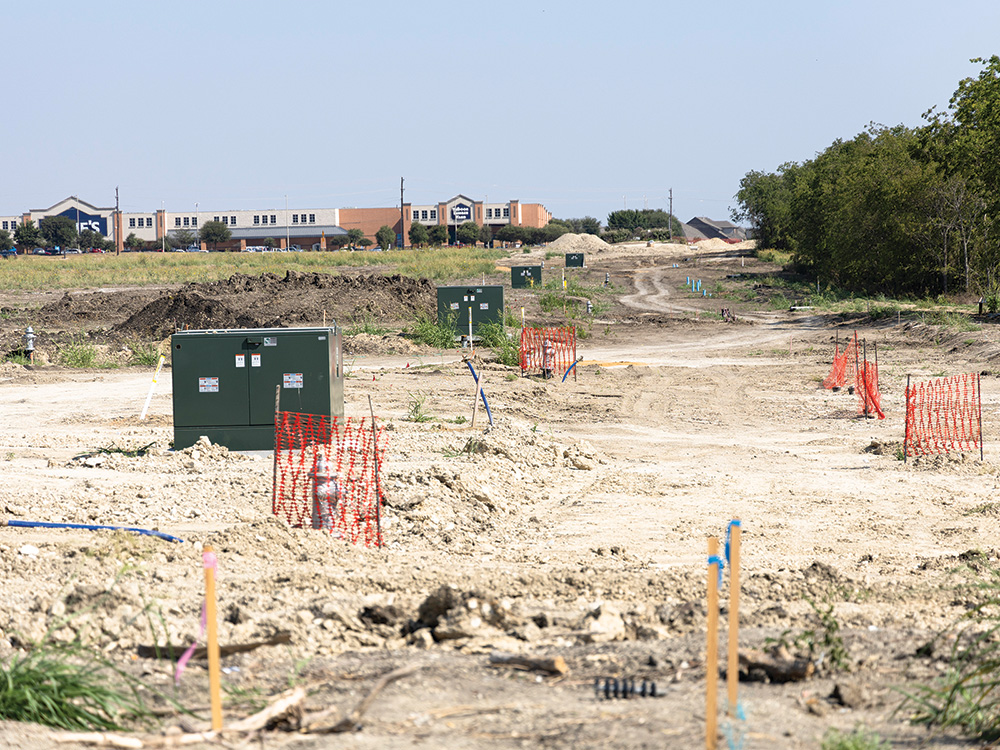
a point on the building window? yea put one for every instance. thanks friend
(149, 222)
(232, 221)
(423, 214)
(177, 221)
(506, 213)
(131, 223)
(434, 214)
(215, 218)
(274, 219)
(295, 218)
(256, 220)
(312, 218)
(194, 221)
(5, 225)
(185, 221)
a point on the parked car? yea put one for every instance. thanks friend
(72, 251)
(38, 251)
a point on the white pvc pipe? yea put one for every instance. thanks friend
(152, 387)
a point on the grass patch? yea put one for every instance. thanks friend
(967, 698)
(78, 354)
(144, 353)
(129, 452)
(418, 410)
(859, 739)
(17, 359)
(70, 687)
(367, 325)
(494, 336)
(430, 332)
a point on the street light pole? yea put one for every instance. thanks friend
(196, 224)
(163, 229)
(287, 246)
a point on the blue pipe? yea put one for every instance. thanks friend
(89, 527)
(481, 391)
(569, 370)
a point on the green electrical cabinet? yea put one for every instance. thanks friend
(574, 260)
(224, 382)
(454, 303)
(525, 276)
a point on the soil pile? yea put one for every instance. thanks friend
(163, 316)
(579, 243)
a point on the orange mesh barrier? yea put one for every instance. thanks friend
(326, 475)
(844, 364)
(869, 398)
(944, 414)
(548, 349)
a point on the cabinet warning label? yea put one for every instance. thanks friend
(292, 380)
(208, 385)
(255, 360)
(241, 360)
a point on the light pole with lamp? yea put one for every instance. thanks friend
(196, 225)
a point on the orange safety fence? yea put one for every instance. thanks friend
(326, 475)
(548, 349)
(843, 370)
(866, 387)
(944, 414)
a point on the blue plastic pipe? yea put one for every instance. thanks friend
(90, 527)
(566, 374)
(481, 392)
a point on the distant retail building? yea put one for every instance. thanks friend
(701, 228)
(305, 227)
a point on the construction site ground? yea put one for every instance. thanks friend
(574, 526)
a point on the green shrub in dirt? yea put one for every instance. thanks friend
(78, 354)
(144, 353)
(859, 739)
(430, 332)
(69, 686)
(17, 359)
(368, 325)
(967, 698)
(417, 411)
(494, 336)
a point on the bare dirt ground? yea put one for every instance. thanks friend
(576, 526)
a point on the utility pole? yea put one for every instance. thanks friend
(118, 225)
(402, 235)
(670, 219)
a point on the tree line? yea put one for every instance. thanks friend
(894, 210)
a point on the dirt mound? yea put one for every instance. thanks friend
(272, 301)
(579, 243)
(163, 316)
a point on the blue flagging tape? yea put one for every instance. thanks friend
(716, 560)
(729, 535)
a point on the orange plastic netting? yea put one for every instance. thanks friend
(944, 414)
(844, 366)
(326, 475)
(548, 349)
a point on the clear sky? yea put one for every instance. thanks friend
(585, 107)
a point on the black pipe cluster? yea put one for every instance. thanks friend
(612, 687)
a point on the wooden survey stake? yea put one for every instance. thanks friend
(712, 647)
(733, 663)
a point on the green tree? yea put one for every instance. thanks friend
(354, 236)
(437, 234)
(467, 233)
(269, 242)
(183, 238)
(418, 234)
(27, 235)
(365, 242)
(134, 243)
(336, 241)
(385, 236)
(89, 239)
(485, 235)
(6, 242)
(214, 232)
(58, 231)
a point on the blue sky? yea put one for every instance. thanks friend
(585, 107)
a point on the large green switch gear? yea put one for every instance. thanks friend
(454, 303)
(224, 382)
